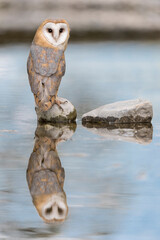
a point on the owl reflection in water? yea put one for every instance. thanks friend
(46, 62)
(45, 176)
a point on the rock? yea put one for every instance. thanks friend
(138, 133)
(131, 111)
(60, 132)
(57, 115)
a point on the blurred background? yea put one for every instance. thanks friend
(112, 182)
(89, 19)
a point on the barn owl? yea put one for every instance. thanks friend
(46, 62)
(45, 175)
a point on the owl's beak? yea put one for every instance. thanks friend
(56, 36)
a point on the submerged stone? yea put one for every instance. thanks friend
(131, 111)
(138, 133)
(66, 113)
(60, 132)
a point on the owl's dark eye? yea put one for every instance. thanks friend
(50, 30)
(61, 30)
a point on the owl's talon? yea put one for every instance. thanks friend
(59, 106)
(58, 102)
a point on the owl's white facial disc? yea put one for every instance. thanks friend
(55, 33)
(55, 208)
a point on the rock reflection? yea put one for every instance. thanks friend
(45, 175)
(138, 133)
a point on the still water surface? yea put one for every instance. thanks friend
(112, 184)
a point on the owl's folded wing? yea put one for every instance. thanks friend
(45, 60)
(34, 78)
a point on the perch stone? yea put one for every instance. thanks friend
(66, 114)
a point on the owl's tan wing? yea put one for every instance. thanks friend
(34, 78)
(45, 60)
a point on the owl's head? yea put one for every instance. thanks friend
(51, 207)
(53, 33)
